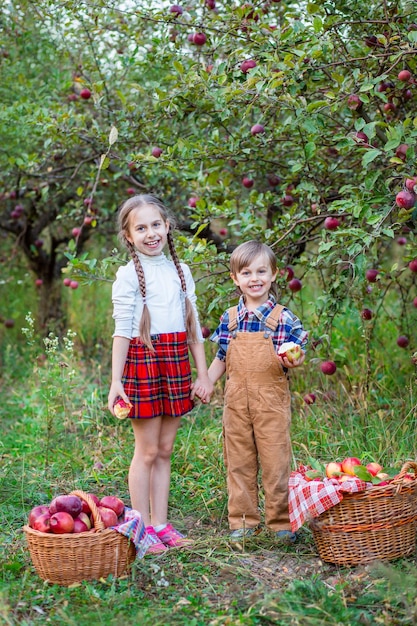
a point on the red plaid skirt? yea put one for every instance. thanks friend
(158, 383)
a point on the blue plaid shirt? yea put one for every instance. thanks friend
(289, 327)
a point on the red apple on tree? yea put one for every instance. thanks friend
(247, 65)
(405, 199)
(247, 182)
(402, 341)
(371, 275)
(331, 223)
(205, 332)
(257, 129)
(156, 152)
(199, 39)
(295, 284)
(413, 265)
(366, 314)
(404, 76)
(85, 94)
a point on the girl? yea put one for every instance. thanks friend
(156, 321)
(257, 410)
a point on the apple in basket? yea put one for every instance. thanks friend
(333, 469)
(291, 350)
(348, 465)
(373, 468)
(66, 504)
(114, 503)
(36, 512)
(80, 526)
(108, 516)
(62, 522)
(42, 523)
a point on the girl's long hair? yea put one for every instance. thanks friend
(136, 202)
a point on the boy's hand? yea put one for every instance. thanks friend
(290, 364)
(202, 388)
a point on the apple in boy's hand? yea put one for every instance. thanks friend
(122, 409)
(290, 350)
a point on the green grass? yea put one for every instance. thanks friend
(56, 435)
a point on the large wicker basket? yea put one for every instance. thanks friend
(377, 524)
(69, 558)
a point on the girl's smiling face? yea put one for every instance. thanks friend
(254, 281)
(147, 230)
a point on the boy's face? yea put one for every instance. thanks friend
(255, 281)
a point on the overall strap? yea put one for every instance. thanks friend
(232, 325)
(272, 320)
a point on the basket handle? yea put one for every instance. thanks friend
(407, 466)
(98, 522)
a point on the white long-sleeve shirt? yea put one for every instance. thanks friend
(164, 297)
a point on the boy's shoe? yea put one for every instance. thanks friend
(156, 546)
(240, 533)
(172, 538)
(285, 536)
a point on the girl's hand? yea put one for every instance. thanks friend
(291, 364)
(202, 388)
(116, 391)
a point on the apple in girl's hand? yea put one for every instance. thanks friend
(61, 523)
(373, 468)
(348, 465)
(290, 350)
(333, 469)
(108, 516)
(36, 512)
(121, 409)
(113, 503)
(43, 523)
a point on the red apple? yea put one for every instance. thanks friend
(67, 282)
(76, 232)
(85, 517)
(402, 341)
(113, 503)
(348, 464)
(257, 129)
(333, 469)
(38, 282)
(361, 137)
(223, 232)
(328, 367)
(206, 332)
(295, 284)
(247, 65)
(288, 200)
(373, 468)
(43, 523)
(310, 398)
(192, 202)
(401, 241)
(410, 183)
(68, 504)
(199, 39)
(366, 314)
(9, 323)
(88, 220)
(401, 151)
(354, 102)
(61, 523)
(290, 350)
(405, 199)
(122, 409)
(371, 275)
(404, 75)
(415, 302)
(331, 223)
(108, 516)
(36, 512)
(247, 182)
(156, 152)
(176, 10)
(413, 265)
(80, 526)
(288, 272)
(85, 93)
(74, 284)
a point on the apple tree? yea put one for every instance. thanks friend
(289, 121)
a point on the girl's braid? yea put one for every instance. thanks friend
(145, 320)
(190, 319)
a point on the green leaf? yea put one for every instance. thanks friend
(370, 156)
(316, 105)
(362, 473)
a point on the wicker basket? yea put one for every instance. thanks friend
(377, 524)
(69, 558)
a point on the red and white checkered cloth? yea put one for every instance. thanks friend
(310, 498)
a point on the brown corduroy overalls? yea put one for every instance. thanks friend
(256, 427)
